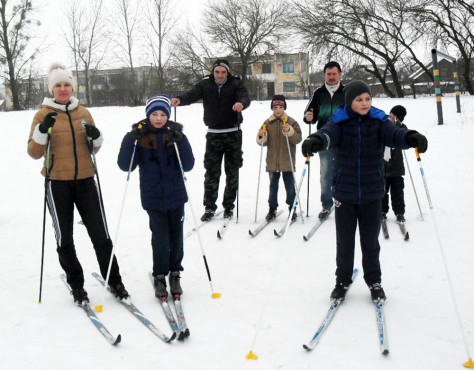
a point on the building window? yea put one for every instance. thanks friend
(288, 66)
(266, 68)
(289, 86)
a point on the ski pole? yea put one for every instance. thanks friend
(264, 128)
(413, 185)
(470, 362)
(46, 181)
(307, 161)
(251, 354)
(293, 173)
(99, 307)
(309, 168)
(214, 294)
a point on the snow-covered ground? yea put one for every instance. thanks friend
(274, 291)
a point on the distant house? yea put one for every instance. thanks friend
(422, 83)
(286, 74)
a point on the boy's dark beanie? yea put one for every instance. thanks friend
(399, 111)
(278, 98)
(353, 89)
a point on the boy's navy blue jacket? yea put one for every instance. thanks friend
(359, 143)
(161, 182)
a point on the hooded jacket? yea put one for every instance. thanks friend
(161, 182)
(218, 101)
(278, 159)
(359, 143)
(70, 152)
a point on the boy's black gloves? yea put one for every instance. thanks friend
(48, 122)
(417, 140)
(311, 145)
(92, 131)
(175, 132)
(139, 130)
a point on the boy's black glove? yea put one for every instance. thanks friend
(48, 122)
(175, 132)
(92, 131)
(311, 145)
(139, 130)
(417, 140)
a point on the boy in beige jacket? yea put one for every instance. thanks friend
(280, 134)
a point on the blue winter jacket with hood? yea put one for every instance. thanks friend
(359, 143)
(161, 181)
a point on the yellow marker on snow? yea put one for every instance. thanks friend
(98, 308)
(469, 364)
(216, 295)
(251, 356)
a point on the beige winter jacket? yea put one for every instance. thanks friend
(276, 140)
(70, 156)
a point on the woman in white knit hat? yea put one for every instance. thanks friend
(64, 133)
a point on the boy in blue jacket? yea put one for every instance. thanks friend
(359, 133)
(162, 189)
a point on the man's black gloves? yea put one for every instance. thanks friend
(92, 131)
(175, 132)
(312, 144)
(139, 130)
(48, 122)
(417, 140)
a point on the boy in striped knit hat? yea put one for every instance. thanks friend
(163, 194)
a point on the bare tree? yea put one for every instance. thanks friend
(247, 29)
(377, 31)
(162, 19)
(15, 25)
(87, 39)
(187, 58)
(452, 24)
(126, 26)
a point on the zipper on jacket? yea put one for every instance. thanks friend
(74, 144)
(359, 189)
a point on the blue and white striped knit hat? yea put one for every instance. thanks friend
(158, 102)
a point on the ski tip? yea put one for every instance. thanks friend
(98, 308)
(216, 295)
(469, 364)
(173, 337)
(181, 336)
(251, 356)
(118, 340)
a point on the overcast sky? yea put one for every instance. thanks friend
(51, 15)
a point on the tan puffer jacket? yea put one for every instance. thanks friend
(70, 156)
(278, 159)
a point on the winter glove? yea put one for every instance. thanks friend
(139, 130)
(175, 132)
(311, 145)
(48, 122)
(92, 131)
(417, 140)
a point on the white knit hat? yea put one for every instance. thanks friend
(59, 73)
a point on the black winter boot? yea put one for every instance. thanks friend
(175, 286)
(160, 287)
